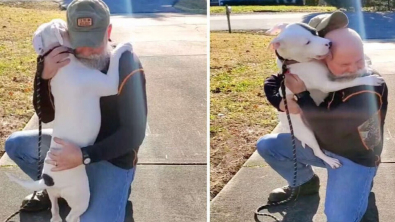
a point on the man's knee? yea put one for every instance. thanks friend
(265, 145)
(11, 145)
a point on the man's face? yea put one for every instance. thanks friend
(86, 52)
(345, 62)
(96, 58)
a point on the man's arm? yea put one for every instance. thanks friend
(271, 88)
(132, 106)
(346, 117)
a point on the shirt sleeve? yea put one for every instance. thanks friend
(46, 100)
(132, 108)
(344, 118)
(271, 88)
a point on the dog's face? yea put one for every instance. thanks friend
(299, 42)
(49, 35)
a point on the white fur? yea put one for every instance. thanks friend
(291, 44)
(77, 90)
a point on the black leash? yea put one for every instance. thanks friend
(293, 193)
(39, 70)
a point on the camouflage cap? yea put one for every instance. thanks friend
(87, 22)
(325, 23)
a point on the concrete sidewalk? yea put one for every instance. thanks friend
(250, 187)
(170, 183)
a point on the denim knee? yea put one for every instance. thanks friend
(265, 144)
(10, 145)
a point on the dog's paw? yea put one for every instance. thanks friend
(120, 49)
(123, 47)
(372, 80)
(332, 162)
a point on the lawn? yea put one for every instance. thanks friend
(239, 111)
(193, 6)
(271, 8)
(18, 61)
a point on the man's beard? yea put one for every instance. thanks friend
(350, 76)
(96, 61)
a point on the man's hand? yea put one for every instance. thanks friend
(69, 156)
(293, 106)
(294, 83)
(54, 61)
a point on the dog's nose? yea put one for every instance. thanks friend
(329, 44)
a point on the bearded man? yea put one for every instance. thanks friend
(111, 160)
(348, 126)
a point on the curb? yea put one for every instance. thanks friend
(192, 11)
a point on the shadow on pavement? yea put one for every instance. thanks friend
(64, 210)
(370, 25)
(306, 207)
(372, 213)
(303, 209)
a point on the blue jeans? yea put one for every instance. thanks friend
(348, 187)
(109, 184)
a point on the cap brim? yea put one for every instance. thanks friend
(93, 39)
(334, 21)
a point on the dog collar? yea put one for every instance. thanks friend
(285, 61)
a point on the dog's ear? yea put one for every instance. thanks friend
(57, 29)
(38, 43)
(276, 29)
(275, 43)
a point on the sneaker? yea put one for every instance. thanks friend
(309, 188)
(40, 202)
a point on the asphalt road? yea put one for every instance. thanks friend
(137, 6)
(370, 25)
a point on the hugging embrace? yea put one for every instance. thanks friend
(96, 98)
(337, 106)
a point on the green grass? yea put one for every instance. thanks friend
(192, 6)
(280, 8)
(239, 112)
(18, 21)
(276, 8)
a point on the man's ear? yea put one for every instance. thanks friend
(276, 43)
(109, 29)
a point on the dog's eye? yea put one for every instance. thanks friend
(308, 42)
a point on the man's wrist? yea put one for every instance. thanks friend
(85, 156)
(302, 95)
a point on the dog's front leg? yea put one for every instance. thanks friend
(107, 85)
(55, 208)
(333, 86)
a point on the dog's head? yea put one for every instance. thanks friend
(299, 42)
(49, 35)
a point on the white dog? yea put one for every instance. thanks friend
(299, 42)
(77, 90)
